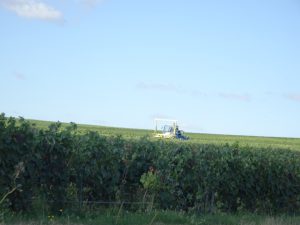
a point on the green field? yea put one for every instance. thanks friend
(274, 142)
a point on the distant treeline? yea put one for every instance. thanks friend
(57, 166)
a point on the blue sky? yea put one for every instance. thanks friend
(230, 67)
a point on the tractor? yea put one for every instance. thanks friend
(169, 130)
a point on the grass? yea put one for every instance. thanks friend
(260, 142)
(109, 217)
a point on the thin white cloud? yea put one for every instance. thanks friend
(168, 88)
(293, 97)
(91, 3)
(234, 96)
(19, 76)
(165, 87)
(158, 115)
(33, 9)
(158, 87)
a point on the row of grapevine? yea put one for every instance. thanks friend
(58, 165)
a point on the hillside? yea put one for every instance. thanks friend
(274, 142)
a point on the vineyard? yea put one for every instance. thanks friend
(62, 167)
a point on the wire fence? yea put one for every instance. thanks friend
(77, 206)
(98, 202)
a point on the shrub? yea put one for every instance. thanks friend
(61, 165)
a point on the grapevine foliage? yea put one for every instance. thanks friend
(61, 165)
